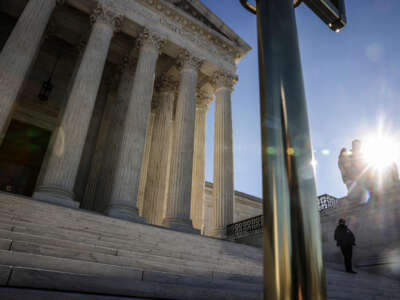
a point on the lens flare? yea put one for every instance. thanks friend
(380, 151)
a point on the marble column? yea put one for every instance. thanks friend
(223, 191)
(156, 182)
(57, 182)
(19, 52)
(177, 215)
(198, 181)
(91, 200)
(92, 136)
(125, 188)
(145, 164)
(110, 141)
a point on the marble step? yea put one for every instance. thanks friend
(359, 286)
(343, 294)
(365, 285)
(157, 237)
(362, 292)
(363, 280)
(22, 277)
(336, 291)
(94, 268)
(336, 272)
(86, 251)
(341, 285)
(39, 279)
(28, 260)
(32, 294)
(174, 246)
(142, 262)
(31, 235)
(37, 212)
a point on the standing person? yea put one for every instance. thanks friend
(345, 240)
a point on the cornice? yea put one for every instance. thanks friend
(192, 29)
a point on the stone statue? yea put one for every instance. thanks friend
(359, 177)
(344, 164)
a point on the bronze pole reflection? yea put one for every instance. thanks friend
(293, 266)
(277, 228)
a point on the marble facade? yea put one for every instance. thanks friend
(127, 112)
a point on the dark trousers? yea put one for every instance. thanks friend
(347, 253)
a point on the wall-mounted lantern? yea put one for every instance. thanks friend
(47, 86)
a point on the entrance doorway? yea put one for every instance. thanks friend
(21, 157)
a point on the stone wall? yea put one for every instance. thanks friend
(375, 223)
(245, 206)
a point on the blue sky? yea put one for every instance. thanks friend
(351, 79)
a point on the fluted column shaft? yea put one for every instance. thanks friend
(156, 182)
(19, 52)
(198, 181)
(90, 199)
(129, 164)
(223, 191)
(180, 181)
(58, 179)
(145, 165)
(117, 117)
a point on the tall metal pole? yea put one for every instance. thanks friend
(293, 266)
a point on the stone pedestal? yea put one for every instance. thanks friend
(128, 167)
(198, 177)
(180, 181)
(223, 191)
(19, 52)
(156, 182)
(57, 182)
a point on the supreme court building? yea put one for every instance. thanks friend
(103, 108)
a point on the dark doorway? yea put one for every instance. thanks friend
(21, 157)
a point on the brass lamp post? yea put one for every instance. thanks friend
(293, 266)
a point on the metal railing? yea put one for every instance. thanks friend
(326, 201)
(245, 228)
(254, 225)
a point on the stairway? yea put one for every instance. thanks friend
(360, 286)
(51, 252)
(44, 246)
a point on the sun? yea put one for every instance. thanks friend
(380, 151)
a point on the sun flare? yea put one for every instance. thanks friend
(380, 151)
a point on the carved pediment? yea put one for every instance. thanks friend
(190, 9)
(197, 10)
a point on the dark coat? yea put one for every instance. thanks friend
(343, 236)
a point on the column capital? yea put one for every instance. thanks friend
(203, 99)
(150, 38)
(186, 60)
(222, 79)
(106, 15)
(166, 83)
